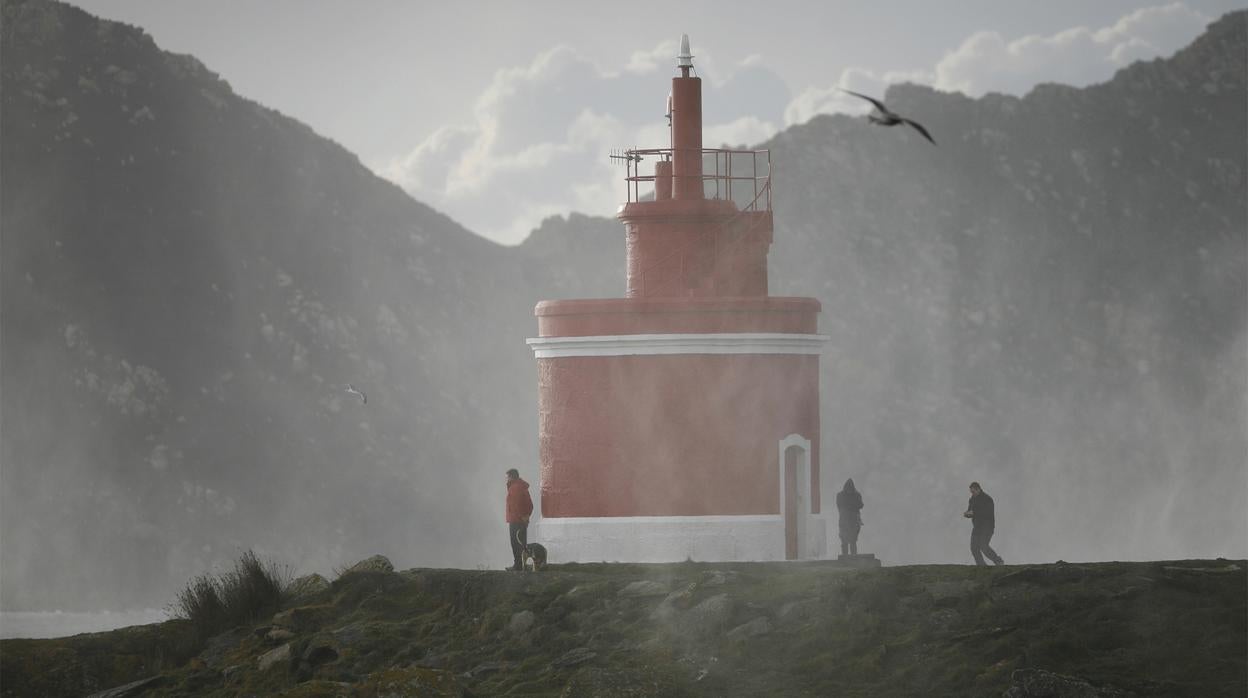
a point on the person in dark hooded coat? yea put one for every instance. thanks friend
(849, 506)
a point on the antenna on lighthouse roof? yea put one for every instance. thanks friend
(626, 155)
(685, 59)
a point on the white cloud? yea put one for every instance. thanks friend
(1078, 56)
(831, 100)
(988, 62)
(540, 134)
(651, 60)
(1166, 28)
(744, 132)
(426, 165)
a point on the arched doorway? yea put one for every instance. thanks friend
(795, 496)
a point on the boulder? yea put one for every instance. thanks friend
(573, 657)
(754, 628)
(411, 681)
(352, 633)
(376, 563)
(581, 592)
(797, 610)
(304, 618)
(710, 616)
(276, 655)
(641, 588)
(483, 669)
(231, 671)
(1039, 683)
(664, 613)
(521, 622)
(678, 600)
(681, 598)
(320, 650)
(363, 637)
(221, 645)
(718, 578)
(133, 688)
(305, 586)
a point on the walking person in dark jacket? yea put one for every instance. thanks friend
(849, 506)
(983, 518)
(519, 508)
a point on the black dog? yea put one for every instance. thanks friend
(535, 553)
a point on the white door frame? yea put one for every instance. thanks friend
(803, 493)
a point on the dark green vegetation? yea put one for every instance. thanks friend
(1158, 628)
(245, 594)
(79, 665)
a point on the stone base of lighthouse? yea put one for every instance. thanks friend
(676, 538)
(794, 533)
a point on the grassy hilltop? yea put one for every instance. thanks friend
(696, 629)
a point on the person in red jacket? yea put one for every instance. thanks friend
(519, 508)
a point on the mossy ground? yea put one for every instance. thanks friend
(1163, 628)
(91, 662)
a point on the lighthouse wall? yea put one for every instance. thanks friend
(666, 427)
(686, 434)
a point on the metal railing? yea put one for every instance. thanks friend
(740, 176)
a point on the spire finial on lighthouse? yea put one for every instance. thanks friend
(684, 60)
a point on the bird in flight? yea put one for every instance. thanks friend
(886, 117)
(354, 391)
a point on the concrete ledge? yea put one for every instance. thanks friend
(860, 560)
(594, 317)
(661, 344)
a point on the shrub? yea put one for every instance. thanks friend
(251, 591)
(201, 604)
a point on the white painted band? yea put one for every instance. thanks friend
(659, 520)
(659, 344)
(673, 538)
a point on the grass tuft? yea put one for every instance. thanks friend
(253, 590)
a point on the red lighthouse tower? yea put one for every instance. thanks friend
(682, 421)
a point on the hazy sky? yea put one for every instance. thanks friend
(502, 113)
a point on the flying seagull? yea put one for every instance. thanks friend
(889, 118)
(352, 389)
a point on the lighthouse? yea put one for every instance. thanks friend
(681, 421)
